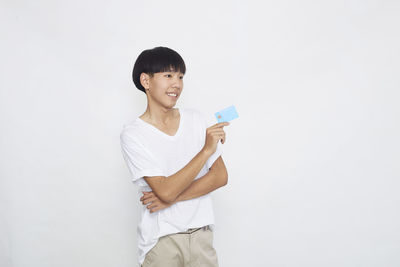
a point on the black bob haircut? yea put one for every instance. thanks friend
(158, 59)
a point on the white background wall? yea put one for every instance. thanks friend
(312, 160)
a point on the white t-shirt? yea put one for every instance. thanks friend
(150, 152)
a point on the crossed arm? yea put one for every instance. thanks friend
(215, 178)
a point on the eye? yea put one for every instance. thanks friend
(181, 77)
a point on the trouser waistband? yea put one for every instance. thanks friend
(192, 230)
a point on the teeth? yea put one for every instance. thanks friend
(171, 94)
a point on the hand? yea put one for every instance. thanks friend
(156, 204)
(213, 135)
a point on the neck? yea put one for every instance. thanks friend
(159, 115)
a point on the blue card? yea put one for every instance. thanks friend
(227, 114)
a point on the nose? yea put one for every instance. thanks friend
(177, 82)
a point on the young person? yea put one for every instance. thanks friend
(175, 160)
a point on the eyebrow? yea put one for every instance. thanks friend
(174, 72)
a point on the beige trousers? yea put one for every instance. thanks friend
(193, 248)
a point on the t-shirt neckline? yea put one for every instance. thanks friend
(156, 130)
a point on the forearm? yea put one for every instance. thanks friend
(175, 184)
(202, 186)
(216, 177)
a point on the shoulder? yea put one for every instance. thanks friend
(130, 131)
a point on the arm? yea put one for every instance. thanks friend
(169, 188)
(215, 178)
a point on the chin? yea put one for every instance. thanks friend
(170, 106)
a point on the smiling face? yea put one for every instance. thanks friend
(164, 88)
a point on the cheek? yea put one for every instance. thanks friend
(163, 86)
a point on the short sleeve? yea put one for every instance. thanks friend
(139, 160)
(214, 156)
(218, 151)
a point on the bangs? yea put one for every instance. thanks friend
(163, 61)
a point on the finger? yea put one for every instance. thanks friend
(220, 124)
(156, 208)
(216, 133)
(152, 205)
(152, 199)
(144, 194)
(148, 199)
(216, 130)
(148, 195)
(144, 197)
(223, 138)
(218, 136)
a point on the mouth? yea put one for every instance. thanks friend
(172, 95)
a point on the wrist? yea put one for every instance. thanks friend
(206, 153)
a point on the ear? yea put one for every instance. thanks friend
(145, 80)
